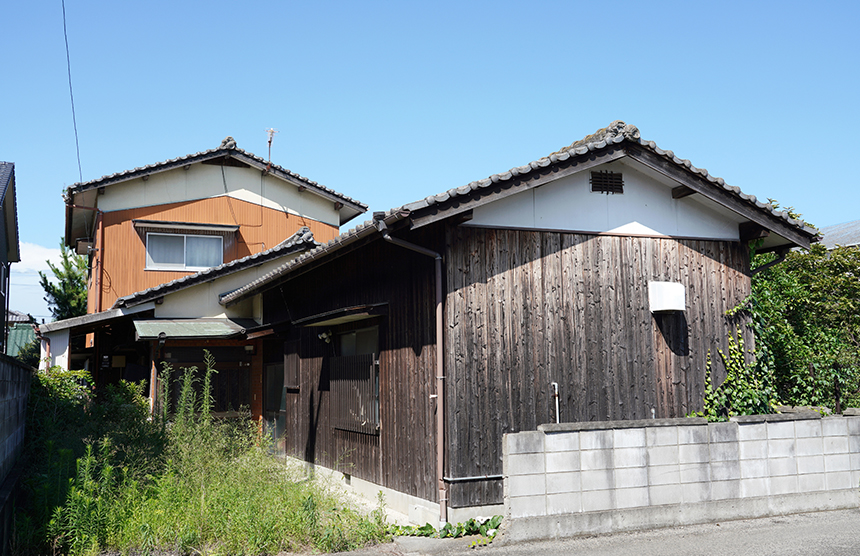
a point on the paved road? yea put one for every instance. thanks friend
(834, 533)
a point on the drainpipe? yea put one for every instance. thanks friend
(99, 257)
(440, 367)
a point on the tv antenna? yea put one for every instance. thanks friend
(271, 133)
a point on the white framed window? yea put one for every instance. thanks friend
(183, 251)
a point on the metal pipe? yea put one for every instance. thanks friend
(555, 388)
(474, 478)
(440, 368)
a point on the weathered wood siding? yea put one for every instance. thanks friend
(528, 308)
(125, 250)
(402, 455)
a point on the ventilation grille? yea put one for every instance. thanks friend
(607, 182)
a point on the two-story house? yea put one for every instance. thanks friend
(163, 240)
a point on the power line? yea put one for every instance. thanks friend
(72, 96)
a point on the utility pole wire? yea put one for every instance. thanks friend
(71, 95)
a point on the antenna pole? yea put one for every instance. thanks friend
(271, 133)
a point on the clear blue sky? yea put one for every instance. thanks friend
(389, 102)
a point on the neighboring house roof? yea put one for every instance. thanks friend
(611, 143)
(20, 334)
(17, 316)
(845, 234)
(10, 206)
(350, 207)
(303, 239)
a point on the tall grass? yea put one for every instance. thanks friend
(215, 488)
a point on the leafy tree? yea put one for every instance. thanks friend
(68, 297)
(807, 325)
(29, 353)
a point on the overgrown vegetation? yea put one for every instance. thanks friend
(184, 481)
(485, 527)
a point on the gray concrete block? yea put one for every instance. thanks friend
(631, 497)
(567, 503)
(855, 462)
(630, 457)
(628, 438)
(783, 485)
(837, 462)
(853, 424)
(695, 493)
(664, 475)
(723, 432)
(752, 449)
(854, 443)
(558, 483)
(810, 464)
(631, 477)
(530, 442)
(725, 470)
(834, 426)
(664, 494)
(662, 455)
(526, 485)
(752, 488)
(778, 467)
(596, 440)
(600, 479)
(527, 506)
(783, 448)
(811, 483)
(839, 480)
(752, 431)
(784, 429)
(695, 434)
(661, 436)
(807, 429)
(836, 445)
(562, 442)
(693, 453)
(813, 446)
(753, 468)
(598, 500)
(725, 490)
(725, 451)
(561, 462)
(695, 472)
(596, 459)
(524, 464)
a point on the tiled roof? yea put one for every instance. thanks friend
(7, 170)
(227, 147)
(845, 234)
(17, 316)
(301, 240)
(616, 133)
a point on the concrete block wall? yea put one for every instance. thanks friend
(584, 478)
(14, 393)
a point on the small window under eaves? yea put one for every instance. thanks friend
(607, 182)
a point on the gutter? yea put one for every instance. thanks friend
(781, 254)
(99, 224)
(378, 220)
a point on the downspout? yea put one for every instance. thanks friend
(440, 367)
(99, 260)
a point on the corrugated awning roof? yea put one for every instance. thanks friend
(175, 329)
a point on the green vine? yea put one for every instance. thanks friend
(486, 527)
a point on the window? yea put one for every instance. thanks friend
(607, 182)
(354, 381)
(183, 252)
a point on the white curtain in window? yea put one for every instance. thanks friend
(165, 250)
(203, 251)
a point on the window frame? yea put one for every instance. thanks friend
(184, 267)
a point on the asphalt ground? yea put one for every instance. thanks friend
(833, 533)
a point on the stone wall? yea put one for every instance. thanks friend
(585, 478)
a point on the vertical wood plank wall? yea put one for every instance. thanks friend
(402, 455)
(528, 308)
(125, 251)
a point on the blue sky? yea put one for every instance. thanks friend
(390, 102)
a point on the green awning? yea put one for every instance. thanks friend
(189, 329)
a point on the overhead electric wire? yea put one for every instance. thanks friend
(71, 95)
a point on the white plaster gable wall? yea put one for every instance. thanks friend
(645, 208)
(59, 347)
(201, 301)
(202, 181)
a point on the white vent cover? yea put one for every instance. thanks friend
(666, 296)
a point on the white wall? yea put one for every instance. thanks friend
(202, 181)
(645, 208)
(59, 346)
